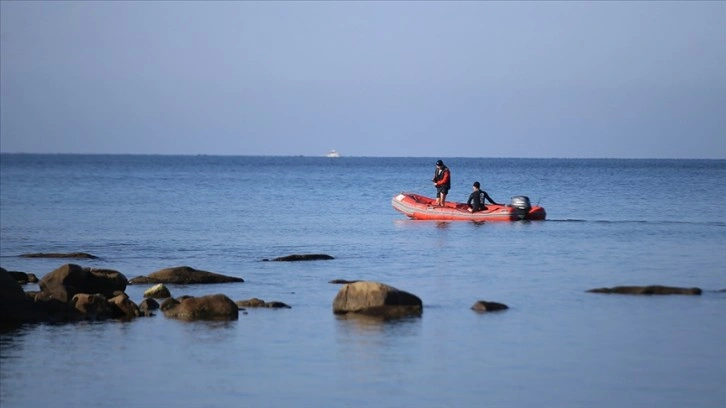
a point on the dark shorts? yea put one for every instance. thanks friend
(442, 190)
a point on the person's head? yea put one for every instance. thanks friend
(476, 185)
(439, 163)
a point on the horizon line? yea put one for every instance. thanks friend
(352, 156)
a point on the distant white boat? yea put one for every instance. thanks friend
(332, 153)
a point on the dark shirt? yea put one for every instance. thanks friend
(477, 199)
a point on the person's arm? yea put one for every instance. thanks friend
(486, 197)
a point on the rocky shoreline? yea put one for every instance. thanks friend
(75, 293)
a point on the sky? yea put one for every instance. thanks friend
(375, 78)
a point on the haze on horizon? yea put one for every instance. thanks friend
(444, 79)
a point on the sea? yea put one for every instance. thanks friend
(610, 222)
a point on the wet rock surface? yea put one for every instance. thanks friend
(184, 275)
(74, 255)
(303, 257)
(648, 290)
(487, 306)
(375, 298)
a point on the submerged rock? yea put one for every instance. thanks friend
(342, 281)
(485, 306)
(256, 302)
(648, 290)
(76, 255)
(375, 298)
(303, 257)
(253, 302)
(277, 305)
(184, 275)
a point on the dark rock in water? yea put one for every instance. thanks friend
(90, 307)
(20, 277)
(374, 298)
(185, 275)
(276, 305)
(303, 257)
(59, 299)
(485, 306)
(648, 290)
(148, 305)
(168, 303)
(256, 302)
(210, 307)
(140, 280)
(342, 281)
(77, 279)
(75, 255)
(253, 302)
(60, 293)
(55, 303)
(123, 307)
(16, 306)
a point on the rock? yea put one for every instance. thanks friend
(76, 255)
(210, 307)
(304, 257)
(20, 277)
(158, 291)
(648, 290)
(23, 277)
(140, 280)
(342, 281)
(15, 306)
(376, 298)
(84, 280)
(185, 275)
(148, 305)
(485, 306)
(60, 293)
(55, 304)
(123, 307)
(91, 307)
(255, 302)
(276, 305)
(168, 304)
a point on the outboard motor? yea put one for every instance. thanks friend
(521, 206)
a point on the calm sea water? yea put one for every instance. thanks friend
(610, 222)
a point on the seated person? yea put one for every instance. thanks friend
(478, 198)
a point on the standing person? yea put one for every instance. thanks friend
(478, 198)
(442, 182)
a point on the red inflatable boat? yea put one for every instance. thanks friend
(419, 207)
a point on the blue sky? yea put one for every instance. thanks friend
(444, 79)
